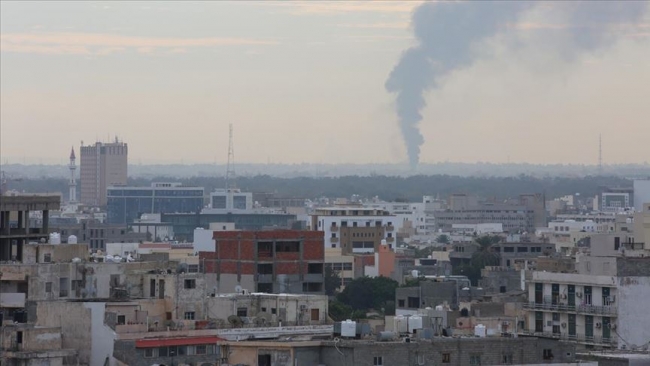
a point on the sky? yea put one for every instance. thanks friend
(305, 82)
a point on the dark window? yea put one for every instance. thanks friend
(190, 283)
(548, 354)
(502, 289)
(163, 351)
(242, 312)
(47, 258)
(152, 288)
(48, 287)
(189, 315)
(121, 319)
(287, 247)
(507, 359)
(400, 303)
(315, 268)
(413, 302)
(474, 359)
(265, 268)
(201, 349)
(446, 358)
(148, 352)
(378, 361)
(19, 337)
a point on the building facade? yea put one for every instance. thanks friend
(102, 165)
(355, 230)
(274, 261)
(126, 204)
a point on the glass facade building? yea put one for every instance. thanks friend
(126, 204)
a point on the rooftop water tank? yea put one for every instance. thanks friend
(480, 331)
(348, 328)
(55, 238)
(72, 239)
(385, 336)
(414, 323)
(400, 324)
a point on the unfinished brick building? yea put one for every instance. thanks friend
(274, 261)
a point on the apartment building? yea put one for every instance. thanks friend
(102, 165)
(356, 229)
(603, 305)
(273, 261)
(524, 215)
(127, 204)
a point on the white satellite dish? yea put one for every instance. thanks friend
(238, 289)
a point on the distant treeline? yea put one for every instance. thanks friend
(385, 187)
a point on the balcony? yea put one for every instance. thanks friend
(581, 309)
(579, 338)
(390, 228)
(334, 228)
(334, 240)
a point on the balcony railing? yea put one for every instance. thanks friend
(583, 309)
(334, 240)
(334, 228)
(580, 338)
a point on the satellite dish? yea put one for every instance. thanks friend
(181, 268)
(238, 289)
(235, 321)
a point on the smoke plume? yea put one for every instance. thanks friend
(446, 33)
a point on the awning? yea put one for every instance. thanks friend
(163, 342)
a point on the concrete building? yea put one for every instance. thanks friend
(97, 234)
(184, 224)
(434, 291)
(600, 306)
(274, 261)
(25, 344)
(641, 194)
(231, 200)
(102, 165)
(355, 229)
(341, 264)
(642, 225)
(524, 215)
(126, 204)
(441, 351)
(15, 229)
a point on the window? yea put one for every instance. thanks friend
(48, 287)
(121, 319)
(163, 352)
(446, 358)
(274, 311)
(148, 352)
(242, 312)
(548, 354)
(507, 359)
(474, 359)
(400, 303)
(287, 247)
(193, 268)
(201, 349)
(189, 315)
(347, 266)
(47, 258)
(378, 361)
(190, 283)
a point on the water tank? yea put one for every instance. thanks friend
(400, 324)
(439, 308)
(385, 336)
(480, 330)
(348, 328)
(415, 273)
(55, 238)
(72, 239)
(414, 323)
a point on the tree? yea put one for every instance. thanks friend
(339, 311)
(368, 293)
(443, 239)
(486, 255)
(332, 281)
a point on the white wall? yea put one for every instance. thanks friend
(203, 241)
(102, 337)
(633, 323)
(641, 194)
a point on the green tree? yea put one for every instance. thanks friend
(332, 281)
(443, 239)
(338, 311)
(368, 293)
(486, 255)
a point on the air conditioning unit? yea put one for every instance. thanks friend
(611, 299)
(598, 325)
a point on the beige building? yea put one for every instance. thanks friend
(102, 165)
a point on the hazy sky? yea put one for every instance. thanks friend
(304, 82)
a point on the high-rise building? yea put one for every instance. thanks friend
(102, 165)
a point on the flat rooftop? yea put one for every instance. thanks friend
(31, 202)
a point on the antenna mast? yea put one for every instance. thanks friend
(600, 154)
(230, 168)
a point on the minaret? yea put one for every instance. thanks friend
(73, 182)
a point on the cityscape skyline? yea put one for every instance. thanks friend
(170, 87)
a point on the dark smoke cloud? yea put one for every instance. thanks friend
(447, 31)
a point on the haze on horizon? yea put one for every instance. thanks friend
(304, 82)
